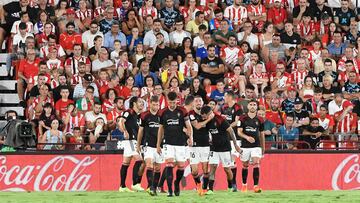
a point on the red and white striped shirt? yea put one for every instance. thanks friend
(73, 63)
(348, 122)
(306, 30)
(54, 64)
(257, 10)
(231, 55)
(185, 11)
(236, 15)
(144, 11)
(82, 15)
(75, 121)
(285, 79)
(341, 64)
(36, 102)
(34, 79)
(107, 106)
(298, 77)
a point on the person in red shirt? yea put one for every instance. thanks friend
(274, 114)
(346, 122)
(277, 15)
(306, 29)
(257, 14)
(69, 38)
(114, 84)
(115, 113)
(27, 68)
(61, 105)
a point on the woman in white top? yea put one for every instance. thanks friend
(266, 37)
(53, 136)
(307, 91)
(189, 68)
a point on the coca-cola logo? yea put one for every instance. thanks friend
(347, 175)
(61, 173)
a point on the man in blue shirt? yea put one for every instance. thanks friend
(337, 48)
(214, 23)
(114, 34)
(144, 71)
(219, 93)
(288, 133)
(105, 24)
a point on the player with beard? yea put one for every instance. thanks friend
(231, 111)
(199, 152)
(220, 148)
(129, 126)
(250, 129)
(149, 125)
(174, 121)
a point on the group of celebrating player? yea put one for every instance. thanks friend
(193, 133)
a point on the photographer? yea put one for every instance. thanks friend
(5, 139)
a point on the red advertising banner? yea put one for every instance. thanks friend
(101, 172)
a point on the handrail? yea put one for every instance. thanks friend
(278, 143)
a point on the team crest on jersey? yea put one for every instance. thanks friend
(192, 117)
(178, 114)
(256, 123)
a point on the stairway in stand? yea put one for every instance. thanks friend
(8, 93)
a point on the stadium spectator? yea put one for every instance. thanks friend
(289, 134)
(53, 139)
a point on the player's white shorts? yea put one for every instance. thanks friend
(233, 150)
(248, 153)
(178, 153)
(199, 154)
(221, 157)
(151, 153)
(129, 148)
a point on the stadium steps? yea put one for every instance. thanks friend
(8, 93)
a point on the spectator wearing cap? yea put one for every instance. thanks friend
(290, 38)
(106, 23)
(193, 25)
(289, 133)
(337, 47)
(114, 34)
(280, 80)
(277, 15)
(80, 89)
(346, 122)
(313, 132)
(299, 10)
(301, 115)
(351, 89)
(320, 9)
(288, 104)
(214, 23)
(103, 62)
(344, 15)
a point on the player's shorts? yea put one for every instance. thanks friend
(248, 153)
(199, 154)
(151, 153)
(233, 150)
(129, 148)
(221, 157)
(178, 153)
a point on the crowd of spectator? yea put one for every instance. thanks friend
(78, 63)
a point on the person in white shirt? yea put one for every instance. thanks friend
(189, 68)
(102, 62)
(150, 36)
(336, 104)
(89, 35)
(24, 17)
(248, 36)
(199, 40)
(177, 36)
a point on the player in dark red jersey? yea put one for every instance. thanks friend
(148, 130)
(250, 129)
(231, 111)
(220, 148)
(199, 152)
(129, 126)
(173, 121)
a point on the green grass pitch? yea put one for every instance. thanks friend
(185, 196)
